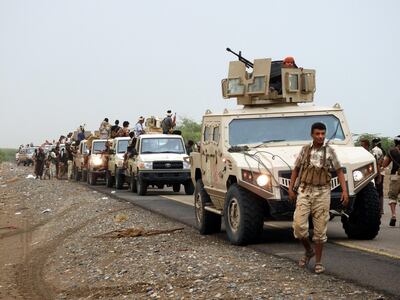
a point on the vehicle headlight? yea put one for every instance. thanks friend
(97, 161)
(261, 180)
(186, 165)
(146, 165)
(361, 174)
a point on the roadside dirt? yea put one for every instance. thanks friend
(61, 240)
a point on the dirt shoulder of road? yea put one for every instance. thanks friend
(62, 240)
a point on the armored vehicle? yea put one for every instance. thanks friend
(97, 161)
(242, 172)
(79, 168)
(159, 160)
(115, 171)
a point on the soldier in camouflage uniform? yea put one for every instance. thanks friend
(393, 156)
(312, 176)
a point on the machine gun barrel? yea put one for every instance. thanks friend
(248, 63)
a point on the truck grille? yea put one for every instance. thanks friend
(167, 165)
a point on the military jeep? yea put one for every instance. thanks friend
(242, 172)
(159, 160)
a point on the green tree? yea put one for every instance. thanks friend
(385, 141)
(191, 130)
(7, 155)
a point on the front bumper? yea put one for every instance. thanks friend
(163, 177)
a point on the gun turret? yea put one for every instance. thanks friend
(269, 82)
(241, 58)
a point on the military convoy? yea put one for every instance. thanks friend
(156, 160)
(242, 172)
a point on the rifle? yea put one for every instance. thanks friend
(248, 63)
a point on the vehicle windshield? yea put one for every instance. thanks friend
(122, 146)
(162, 145)
(264, 130)
(99, 147)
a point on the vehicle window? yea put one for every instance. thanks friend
(262, 130)
(207, 133)
(162, 145)
(216, 134)
(122, 146)
(99, 147)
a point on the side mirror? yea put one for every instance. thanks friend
(87, 152)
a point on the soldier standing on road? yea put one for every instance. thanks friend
(139, 129)
(312, 169)
(393, 156)
(39, 164)
(378, 153)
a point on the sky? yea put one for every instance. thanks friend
(72, 62)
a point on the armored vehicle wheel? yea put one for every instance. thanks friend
(119, 179)
(109, 179)
(132, 184)
(92, 178)
(365, 219)
(206, 221)
(189, 188)
(141, 186)
(243, 216)
(176, 187)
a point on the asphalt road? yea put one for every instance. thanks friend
(373, 263)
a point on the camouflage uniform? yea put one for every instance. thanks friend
(394, 186)
(314, 199)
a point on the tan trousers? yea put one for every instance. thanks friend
(314, 201)
(394, 188)
(69, 170)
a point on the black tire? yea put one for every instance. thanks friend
(247, 216)
(119, 179)
(189, 188)
(365, 219)
(132, 184)
(176, 187)
(109, 179)
(141, 186)
(206, 221)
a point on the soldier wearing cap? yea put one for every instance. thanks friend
(288, 62)
(393, 156)
(312, 170)
(168, 123)
(139, 129)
